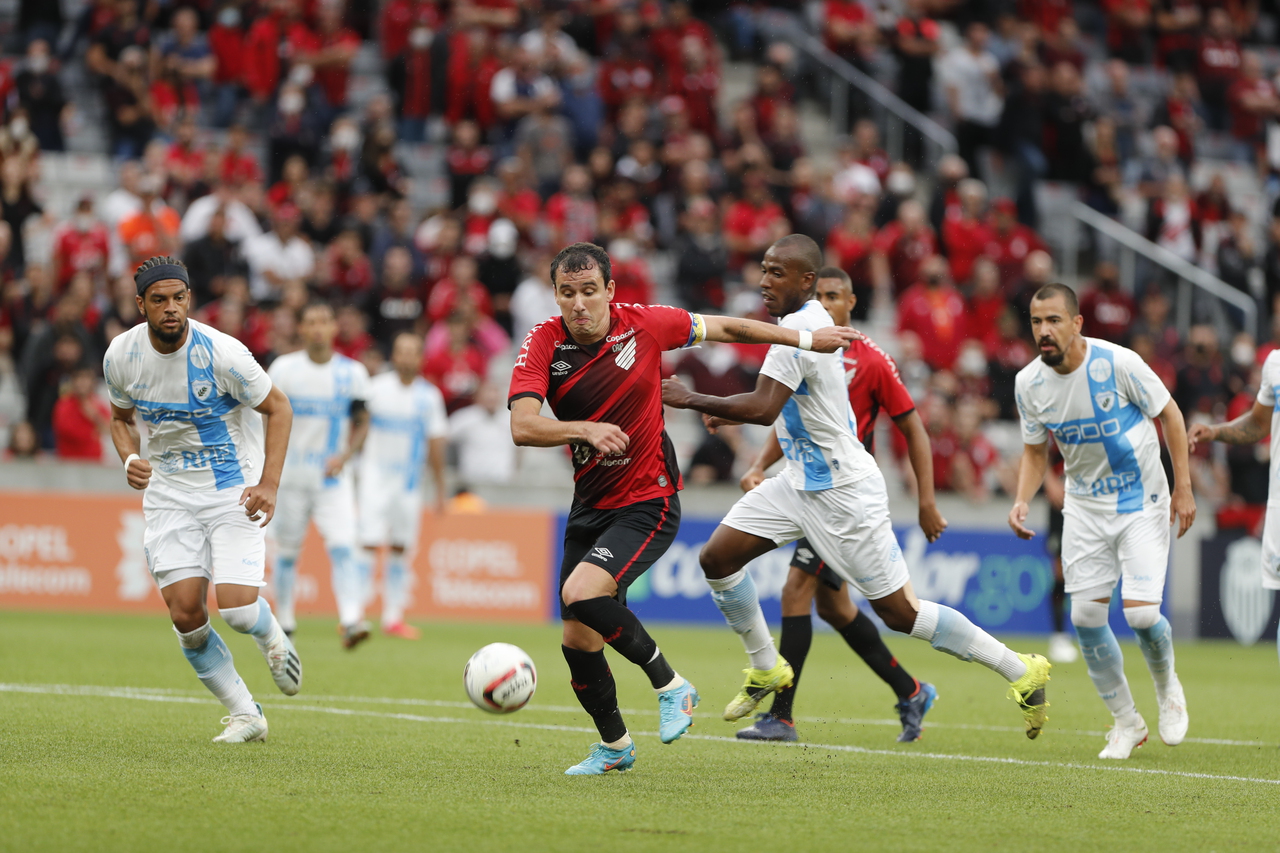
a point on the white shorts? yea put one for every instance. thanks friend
(199, 534)
(847, 525)
(389, 514)
(333, 508)
(1099, 549)
(1271, 548)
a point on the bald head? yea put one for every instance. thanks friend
(799, 250)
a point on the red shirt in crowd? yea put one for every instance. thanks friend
(623, 79)
(743, 219)
(239, 167)
(634, 281)
(333, 78)
(457, 373)
(617, 380)
(1107, 315)
(1244, 124)
(849, 12)
(904, 252)
(984, 311)
(469, 81)
(444, 298)
(75, 434)
(936, 316)
(1010, 251)
(79, 250)
(399, 18)
(851, 253)
(1218, 60)
(574, 219)
(227, 46)
(966, 240)
(699, 90)
(263, 50)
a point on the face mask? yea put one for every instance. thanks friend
(229, 17)
(19, 128)
(972, 363)
(83, 222)
(1242, 354)
(39, 64)
(482, 203)
(291, 103)
(346, 138)
(301, 75)
(901, 183)
(420, 39)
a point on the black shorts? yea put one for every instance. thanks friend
(807, 560)
(1053, 542)
(624, 542)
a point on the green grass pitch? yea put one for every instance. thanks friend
(382, 752)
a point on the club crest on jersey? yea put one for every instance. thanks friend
(202, 389)
(560, 368)
(200, 356)
(626, 354)
(1105, 399)
(1099, 370)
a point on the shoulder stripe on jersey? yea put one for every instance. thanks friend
(201, 384)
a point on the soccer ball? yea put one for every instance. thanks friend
(500, 678)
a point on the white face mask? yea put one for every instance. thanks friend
(19, 128)
(291, 103)
(346, 138)
(39, 64)
(1243, 354)
(972, 363)
(301, 75)
(83, 222)
(420, 38)
(482, 203)
(229, 17)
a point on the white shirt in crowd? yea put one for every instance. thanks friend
(483, 441)
(241, 223)
(294, 259)
(970, 76)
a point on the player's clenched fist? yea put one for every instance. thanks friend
(259, 502)
(606, 438)
(138, 473)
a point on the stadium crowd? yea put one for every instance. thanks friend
(240, 147)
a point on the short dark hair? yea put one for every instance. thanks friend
(582, 256)
(836, 273)
(1058, 289)
(156, 261)
(314, 304)
(804, 250)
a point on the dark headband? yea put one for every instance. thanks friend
(161, 272)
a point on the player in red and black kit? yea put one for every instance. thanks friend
(598, 366)
(874, 386)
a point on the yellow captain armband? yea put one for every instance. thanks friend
(698, 331)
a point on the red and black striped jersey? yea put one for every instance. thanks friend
(874, 384)
(617, 380)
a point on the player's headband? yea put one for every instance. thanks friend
(161, 272)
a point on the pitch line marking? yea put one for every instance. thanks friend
(169, 696)
(73, 689)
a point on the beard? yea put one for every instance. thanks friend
(1054, 358)
(167, 337)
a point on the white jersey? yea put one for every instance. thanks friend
(197, 402)
(321, 396)
(816, 426)
(402, 419)
(1269, 396)
(1100, 415)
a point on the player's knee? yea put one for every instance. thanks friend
(714, 564)
(1087, 613)
(1143, 616)
(188, 616)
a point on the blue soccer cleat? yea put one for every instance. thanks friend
(911, 711)
(675, 711)
(771, 728)
(603, 759)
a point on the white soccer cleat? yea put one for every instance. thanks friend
(282, 658)
(1123, 740)
(243, 728)
(1062, 649)
(1173, 714)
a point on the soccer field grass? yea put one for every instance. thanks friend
(105, 746)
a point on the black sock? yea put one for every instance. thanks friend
(1058, 605)
(863, 638)
(594, 686)
(623, 631)
(797, 636)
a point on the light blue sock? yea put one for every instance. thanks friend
(286, 572)
(395, 590)
(364, 570)
(950, 631)
(1156, 643)
(1105, 662)
(347, 587)
(211, 659)
(738, 600)
(254, 619)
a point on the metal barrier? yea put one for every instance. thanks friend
(1132, 244)
(894, 113)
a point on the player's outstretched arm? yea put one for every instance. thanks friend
(260, 501)
(530, 429)
(436, 448)
(1182, 506)
(739, 330)
(124, 435)
(770, 453)
(920, 452)
(1250, 428)
(760, 406)
(1031, 468)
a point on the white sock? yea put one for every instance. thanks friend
(737, 599)
(211, 659)
(348, 589)
(949, 631)
(670, 685)
(621, 743)
(395, 589)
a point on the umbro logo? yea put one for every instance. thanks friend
(627, 355)
(602, 553)
(561, 368)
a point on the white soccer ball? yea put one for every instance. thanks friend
(500, 678)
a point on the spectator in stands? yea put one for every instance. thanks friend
(544, 141)
(81, 418)
(129, 106)
(296, 128)
(1183, 110)
(455, 363)
(1177, 23)
(975, 92)
(41, 97)
(1067, 110)
(123, 30)
(1022, 135)
(1116, 101)
(395, 304)
(915, 44)
(472, 69)
(933, 310)
(754, 222)
(50, 356)
(481, 436)
(1107, 310)
(226, 40)
(466, 160)
(571, 214)
(1103, 187)
(519, 90)
(535, 298)
(81, 244)
(1237, 256)
(1173, 221)
(345, 274)
(1252, 101)
(279, 258)
(335, 47)
(409, 76)
(1011, 244)
(984, 302)
(1218, 61)
(1128, 22)
(184, 52)
(212, 259)
(850, 247)
(1007, 353)
(966, 235)
(702, 257)
(1202, 380)
(1150, 173)
(24, 443)
(153, 229)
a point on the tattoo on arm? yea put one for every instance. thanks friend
(1243, 430)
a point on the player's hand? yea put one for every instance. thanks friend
(675, 394)
(1198, 432)
(932, 522)
(712, 423)
(832, 338)
(1182, 509)
(1017, 520)
(751, 479)
(607, 438)
(259, 502)
(138, 474)
(334, 466)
